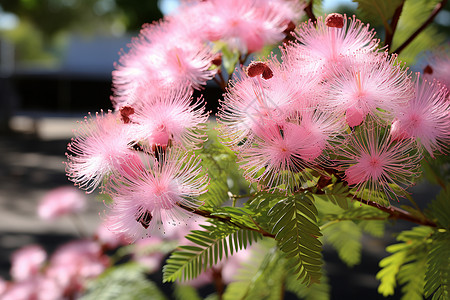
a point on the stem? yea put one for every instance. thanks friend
(309, 11)
(393, 26)
(218, 282)
(397, 213)
(430, 19)
(224, 219)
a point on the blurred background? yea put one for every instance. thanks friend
(56, 58)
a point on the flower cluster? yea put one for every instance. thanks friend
(336, 100)
(139, 153)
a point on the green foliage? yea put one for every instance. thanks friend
(261, 277)
(126, 282)
(406, 262)
(437, 278)
(212, 245)
(295, 228)
(336, 194)
(414, 14)
(185, 292)
(377, 12)
(345, 237)
(225, 176)
(320, 291)
(439, 209)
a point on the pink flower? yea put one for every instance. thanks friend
(152, 197)
(27, 262)
(249, 25)
(372, 160)
(165, 55)
(379, 87)
(101, 145)
(61, 201)
(73, 263)
(426, 118)
(170, 119)
(327, 45)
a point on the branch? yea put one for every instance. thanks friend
(225, 219)
(309, 11)
(398, 213)
(393, 25)
(430, 19)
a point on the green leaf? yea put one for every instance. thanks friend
(295, 228)
(336, 194)
(407, 256)
(439, 209)
(213, 244)
(320, 291)
(414, 14)
(126, 282)
(437, 278)
(377, 12)
(345, 237)
(185, 292)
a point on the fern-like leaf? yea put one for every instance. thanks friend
(336, 194)
(126, 282)
(212, 245)
(297, 234)
(437, 279)
(439, 209)
(345, 237)
(407, 255)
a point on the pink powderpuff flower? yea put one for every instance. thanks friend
(153, 197)
(426, 118)
(372, 160)
(171, 119)
(379, 87)
(102, 143)
(27, 262)
(60, 202)
(157, 59)
(74, 263)
(438, 67)
(253, 100)
(281, 151)
(329, 45)
(249, 25)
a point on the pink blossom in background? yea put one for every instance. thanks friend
(27, 262)
(60, 202)
(109, 239)
(74, 263)
(371, 160)
(156, 60)
(171, 119)
(145, 203)
(102, 143)
(426, 118)
(438, 67)
(249, 25)
(147, 253)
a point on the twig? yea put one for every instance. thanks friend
(309, 11)
(224, 219)
(218, 282)
(397, 213)
(430, 19)
(393, 25)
